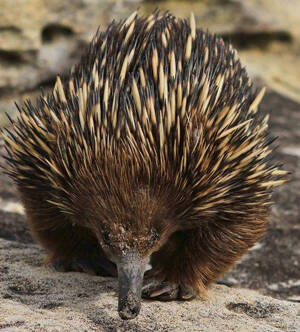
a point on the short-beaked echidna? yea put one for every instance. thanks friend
(152, 149)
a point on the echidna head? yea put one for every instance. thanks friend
(129, 236)
(130, 223)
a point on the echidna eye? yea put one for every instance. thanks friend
(154, 236)
(105, 237)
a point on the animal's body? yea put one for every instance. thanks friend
(152, 149)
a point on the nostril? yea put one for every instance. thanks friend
(135, 310)
(129, 312)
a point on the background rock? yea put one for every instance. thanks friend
(40, 39)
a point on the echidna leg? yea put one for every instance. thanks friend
(161, 282)
(76, 250)
(69, 247)
(193, 259)
(88, 260)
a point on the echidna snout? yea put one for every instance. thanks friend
(131, 270)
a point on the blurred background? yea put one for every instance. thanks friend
(42, 38)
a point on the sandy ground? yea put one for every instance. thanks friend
(36, 298)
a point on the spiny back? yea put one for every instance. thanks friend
(154, 102)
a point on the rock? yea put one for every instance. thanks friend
(266, 34)
(11, 206)
(40, 39)
(34, 297)
(7, 106)
(294, 299)
(49, 36)
(292, 150)
(13, 227)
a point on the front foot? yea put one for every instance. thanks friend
(100, 266)
(166, 291)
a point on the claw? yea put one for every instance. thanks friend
(162, 289)
(167, 291)
(187, 293)
(227, 282)
(146, 289)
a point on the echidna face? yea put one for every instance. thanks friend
(131, 222)
(118, 241)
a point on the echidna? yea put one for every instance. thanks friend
(152, 150)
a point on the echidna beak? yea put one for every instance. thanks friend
(130, 274)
